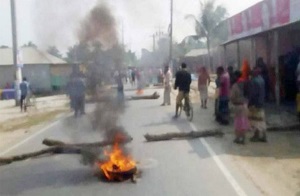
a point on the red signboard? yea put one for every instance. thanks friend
(236, 24)
(283, 11)
(256, 16)
(260, 17)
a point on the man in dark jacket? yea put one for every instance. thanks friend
(256, 107)
(182, 82)
(76, 91)
(24, 88)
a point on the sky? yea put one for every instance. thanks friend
(56, 22)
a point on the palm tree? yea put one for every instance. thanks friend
(210, 24)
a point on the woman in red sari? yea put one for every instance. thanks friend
(239, 100)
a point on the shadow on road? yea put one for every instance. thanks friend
(28, 176)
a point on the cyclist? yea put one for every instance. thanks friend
(182, 82)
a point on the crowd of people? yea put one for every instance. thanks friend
(247, 91)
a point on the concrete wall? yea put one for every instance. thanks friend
(60, 75)
(61, 70)
(37, 75)
(7, 74)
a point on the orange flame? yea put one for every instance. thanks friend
(117, 162)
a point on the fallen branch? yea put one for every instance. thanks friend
(183, 135)
(295, 127)
(49, 151)
(50, 142)
(155, 95)
(59, 147)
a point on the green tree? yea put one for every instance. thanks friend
(80, 53)
(30, 44)
(210, 24)
(3, 46)
(54, 51)
(130, 59)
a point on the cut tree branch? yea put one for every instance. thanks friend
(183, 135)
(50, 142)
(49, 151)
(59, 147)
(155, 95)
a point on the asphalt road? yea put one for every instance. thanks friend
(172, 168)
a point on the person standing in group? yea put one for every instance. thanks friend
(245, 71)
(78, 95)
(217, 92)
(239, 101)
(256, 107)
(298, 86)
(24, 88)
(140, 82)
(231, 75)
(183, 81)
(265, 75)
(167, 86)
(298, 100)
(120, 87)
(203, 83)
(71, 91)
(223, 107)
(133, 74)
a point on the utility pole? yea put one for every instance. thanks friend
(171, 33)
(15, 51)
(123, 34)
(153, 36)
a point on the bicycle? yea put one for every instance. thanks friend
(188, 109)
(30, 102)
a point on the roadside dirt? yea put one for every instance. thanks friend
(16, 125)
(273, 167)
(28, 121)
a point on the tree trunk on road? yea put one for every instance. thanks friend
(155, 95)
(59, 147)
(183, 135)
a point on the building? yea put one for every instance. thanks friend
(195, 59)
(269, 29)
(45, 72)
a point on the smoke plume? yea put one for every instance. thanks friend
(99, 25)
(55, 21)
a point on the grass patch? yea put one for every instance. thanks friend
(29, 121)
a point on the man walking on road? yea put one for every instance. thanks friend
(76, 92)
(167, 86)
(120, 88)
(24, 88)
(183, 81)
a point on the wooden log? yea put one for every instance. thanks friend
(155, 95)
(294, 127)
(59, 147)
(183, 135)
(50, 142)
(49, 151)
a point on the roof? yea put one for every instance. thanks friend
(29, 55)
(196, 52)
